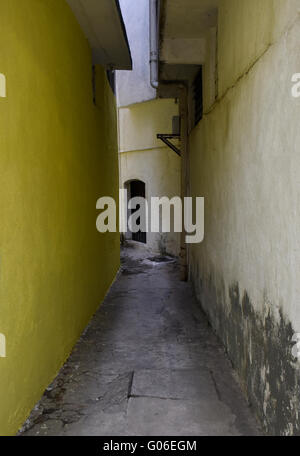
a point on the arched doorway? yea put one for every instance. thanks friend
(136, 188)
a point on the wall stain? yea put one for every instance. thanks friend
(259, 346)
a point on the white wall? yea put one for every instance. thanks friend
(244, 159)
(143, 157)
(134, 86)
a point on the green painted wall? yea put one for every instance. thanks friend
(58, 155)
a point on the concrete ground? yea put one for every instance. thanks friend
(148, 364)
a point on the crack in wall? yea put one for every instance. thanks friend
(250, 67)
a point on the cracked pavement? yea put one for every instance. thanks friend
(148, 364)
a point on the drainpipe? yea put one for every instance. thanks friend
(154, 40)
(185, 178)
(181, 91)
(154, 64)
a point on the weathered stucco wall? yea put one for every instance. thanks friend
(58, 155)
(244, 159)
(144, 157)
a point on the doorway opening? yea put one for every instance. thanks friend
(136, 188)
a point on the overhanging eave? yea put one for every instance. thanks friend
(103, 26)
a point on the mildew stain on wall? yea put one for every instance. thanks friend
(259, 346)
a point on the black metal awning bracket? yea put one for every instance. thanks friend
(165, 139)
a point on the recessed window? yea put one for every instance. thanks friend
(198, 97)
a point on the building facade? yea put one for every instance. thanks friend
(234, 63)
(145, 161)
(58, 155)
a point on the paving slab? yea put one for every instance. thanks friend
(148, 364)
(153, 416)
(174, 384)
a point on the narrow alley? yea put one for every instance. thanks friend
(150, 219)
(148, 364)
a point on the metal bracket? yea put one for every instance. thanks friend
(165, 139)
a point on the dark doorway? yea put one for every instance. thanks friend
(138, 188)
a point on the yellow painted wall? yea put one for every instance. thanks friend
(245, 161)
(58, 155)
(144, 157)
